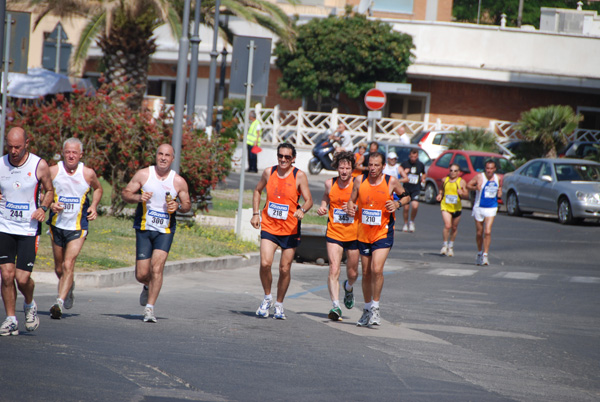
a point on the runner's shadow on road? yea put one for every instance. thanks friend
(137, 317)
(245, 313)
(65, 315)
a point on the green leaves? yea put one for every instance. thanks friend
(345, 55)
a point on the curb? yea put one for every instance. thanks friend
(126, 276)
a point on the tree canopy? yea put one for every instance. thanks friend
(342, 55)
(491, 10)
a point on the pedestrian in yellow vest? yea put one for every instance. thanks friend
(254, 134)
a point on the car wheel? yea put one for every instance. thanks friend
(512, 205)
(315, 166)
(565, 216)
(430, 193)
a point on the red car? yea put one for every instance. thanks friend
(471, 163)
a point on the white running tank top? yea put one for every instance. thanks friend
(72, 192)
(487, 197)
(20, 191)
(153, 215)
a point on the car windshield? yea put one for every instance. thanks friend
(502, 165)
(577, 172)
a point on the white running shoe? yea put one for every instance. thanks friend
(375, 318)
(444, 250)
(364, 319)
(484, 260)
(263, 309)
(450, 252)
(31, 318)
(478, 259)
(9, 327)
(411, 227)
(149, 315)
(279, 313)
(405, 228)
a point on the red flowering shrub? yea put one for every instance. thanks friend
(117, 141)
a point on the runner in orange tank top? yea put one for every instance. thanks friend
(375, 215)
(281, 218)
(341, 233)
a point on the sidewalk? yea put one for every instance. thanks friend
(126, 276)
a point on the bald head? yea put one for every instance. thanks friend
(18, 134)
(16, 143)
(165, 154)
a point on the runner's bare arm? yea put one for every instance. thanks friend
(350, 208)
(43, 174)
(130, 192)
(184, 204)
(92, 179)
(260, 186)
(305, 193)
(325, 201)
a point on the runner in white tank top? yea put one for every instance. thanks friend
(21, 214)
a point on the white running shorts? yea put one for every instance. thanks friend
(481, 213)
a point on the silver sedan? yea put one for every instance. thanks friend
(569, 188)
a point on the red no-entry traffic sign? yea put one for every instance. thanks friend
(375, 99)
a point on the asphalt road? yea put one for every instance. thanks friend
(526, 328)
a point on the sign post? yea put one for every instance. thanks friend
(375, 100)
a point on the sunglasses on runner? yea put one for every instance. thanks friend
(286, 157)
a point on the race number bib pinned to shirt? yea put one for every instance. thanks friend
(491, 190)
(157, 220)
(17, 212)
(371, 217)
(71, 204)
(339, 216)
(278, 211)
(413, 178)
(451, 199)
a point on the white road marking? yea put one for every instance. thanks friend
(517, 275)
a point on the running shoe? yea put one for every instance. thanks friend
(279, 314)
(56, 310)
(348, 296)
(149, 315)
(364, 319)
(144, 296)
(375, 318)
(9, 327)
(31, 318)
(411, 227)
(70, 298)
(263, 309)
(444, 250)
(479, 259)
(484, 260)
(450, 252)
(405, 228)
(335, 314)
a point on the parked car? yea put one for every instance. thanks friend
(569, 188)
(470, 162)
(579, 149)
(434, 142)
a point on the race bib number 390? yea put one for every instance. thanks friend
(339, 216)
(278, 211)
(371, 217)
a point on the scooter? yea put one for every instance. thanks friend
(322, 154)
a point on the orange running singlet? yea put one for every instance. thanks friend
(375, 221)
(282, 201)
(340, 226)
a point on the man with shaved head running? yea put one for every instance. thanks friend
(160, 192)
(21, 214)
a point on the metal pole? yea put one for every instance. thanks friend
(58, 37)
(520, 16)
(180, 87)
(478, 11)
(195, 40)
(238, 223)
(213, 71)
(5, 81)
(221, 89)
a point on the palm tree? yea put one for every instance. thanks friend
(473, 139)
(549, 126)
(124, 28)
